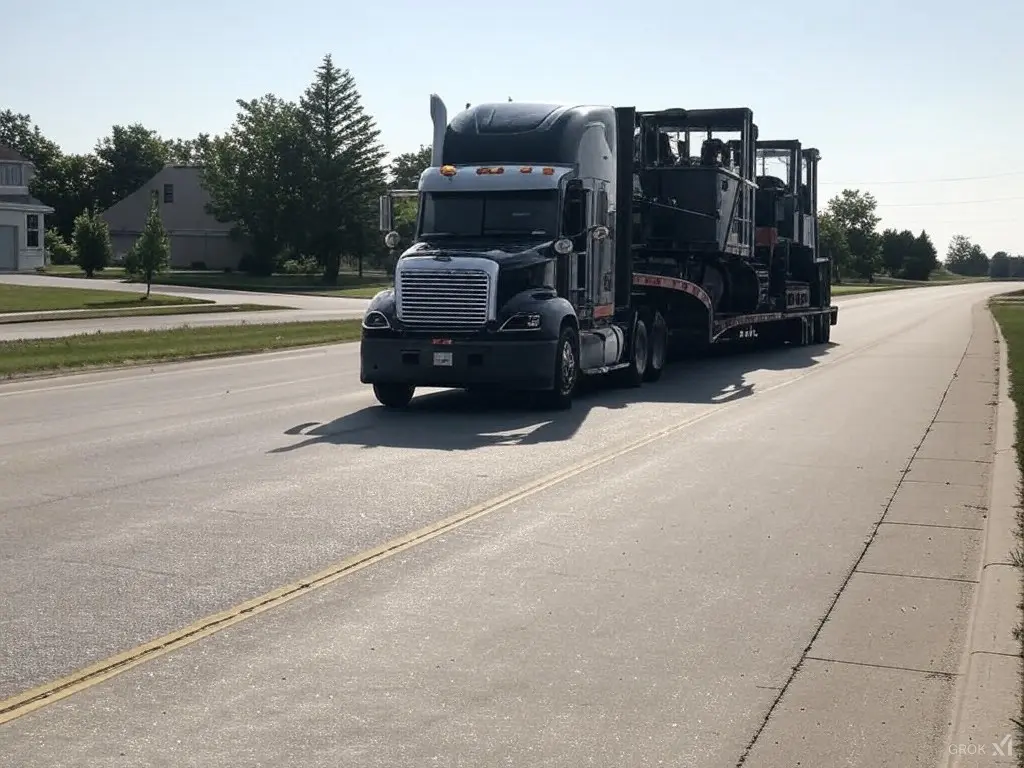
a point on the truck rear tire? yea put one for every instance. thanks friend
(567, 370)
(633, 375)
(393, 395)
(658, 348)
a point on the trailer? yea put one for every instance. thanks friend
(557, 242)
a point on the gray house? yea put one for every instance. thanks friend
(22, 247)
(197, 239)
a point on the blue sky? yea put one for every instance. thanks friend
(895, 94)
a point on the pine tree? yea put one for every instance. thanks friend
(345, 163)
(152, 251)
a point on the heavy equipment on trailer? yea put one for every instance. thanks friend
(555, 242)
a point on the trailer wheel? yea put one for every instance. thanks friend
(658, 348)
(567, 370)
(633, 374)
(393, 395)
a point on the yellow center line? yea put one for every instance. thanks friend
(55, 690)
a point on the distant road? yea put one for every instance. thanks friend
(307, 308)
(650, 607)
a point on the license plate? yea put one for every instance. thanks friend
(443, 359)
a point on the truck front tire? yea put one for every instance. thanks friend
(567, 370)
(393, 395)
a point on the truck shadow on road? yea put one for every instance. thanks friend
(454, 420)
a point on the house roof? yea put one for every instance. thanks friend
(24, 201)
(6, 153)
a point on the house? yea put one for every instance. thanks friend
(198, 240)
(22, 247)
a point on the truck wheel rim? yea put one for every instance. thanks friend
(568, 367)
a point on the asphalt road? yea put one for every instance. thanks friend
(644, 611)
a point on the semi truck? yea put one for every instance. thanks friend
(559, 242)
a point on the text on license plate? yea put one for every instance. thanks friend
(443, 358)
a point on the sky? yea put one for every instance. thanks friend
(917, 101)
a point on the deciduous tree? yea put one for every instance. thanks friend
(151, 253)
(966, 258)
(255, 176)
(921, 260)
(405, 169)
(854, 211)
(129, 157)
(91, 238)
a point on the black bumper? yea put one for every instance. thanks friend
(512, 364)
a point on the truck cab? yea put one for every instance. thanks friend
(507, 255)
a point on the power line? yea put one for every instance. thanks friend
(952, 202)
(922, 181)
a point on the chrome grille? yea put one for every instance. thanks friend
(442, 298)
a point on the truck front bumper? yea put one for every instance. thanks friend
(513, 364)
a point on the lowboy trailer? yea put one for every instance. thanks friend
(556, 242)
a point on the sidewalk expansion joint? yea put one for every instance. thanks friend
(917, 576)
(894, 668)
(935, 525)
(997, 653)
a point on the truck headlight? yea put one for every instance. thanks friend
(375, 320)
(522, 321)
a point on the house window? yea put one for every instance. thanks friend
(32, 230)
(11, 175)
(168, 193)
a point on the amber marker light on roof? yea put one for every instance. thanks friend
(447, 170)
(548, 171)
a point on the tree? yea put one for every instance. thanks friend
(854, 212)
(129, 157)
(896, 248)
(406, 168)
(833, 244)
(345, 166)
(151, 253)
(966, 258)
(255, 175)
(999, 265)
(188, 151)
(91, 238)
(921, 260)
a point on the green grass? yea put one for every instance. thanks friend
(98, 314)
(349, 283)
(103, 350)
(1008, 310)
(30, 298)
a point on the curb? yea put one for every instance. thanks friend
(982, 732)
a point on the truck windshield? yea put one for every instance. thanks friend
(468, 214)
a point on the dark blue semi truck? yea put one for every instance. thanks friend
(557, 242)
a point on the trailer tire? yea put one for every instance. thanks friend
(567, 370)
(658, 348)
(633, 374)
(393, 395)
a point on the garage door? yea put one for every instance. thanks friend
(8, 248)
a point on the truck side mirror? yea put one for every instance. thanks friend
(386, 213)
(574, 220)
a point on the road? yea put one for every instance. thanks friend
(643, 605)
(304, 309)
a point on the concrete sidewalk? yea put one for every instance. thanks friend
(894, 640)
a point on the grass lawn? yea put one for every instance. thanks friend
(1010, 316)
(35, 356)
(30, 298)
(349, 283)
(144, 311)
